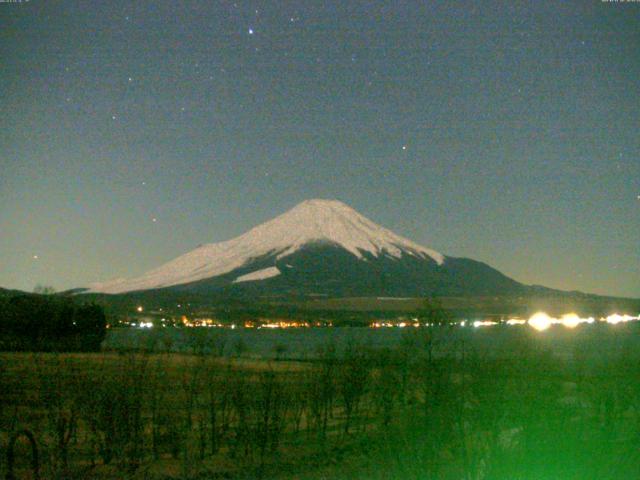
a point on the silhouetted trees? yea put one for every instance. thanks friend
(50, 323)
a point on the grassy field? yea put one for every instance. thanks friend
(358, 413)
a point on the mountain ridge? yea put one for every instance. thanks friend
(312, 221)
(319, 247)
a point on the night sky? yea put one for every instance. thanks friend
(507, 132)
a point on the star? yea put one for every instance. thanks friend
(130, 79)
(154, 219)
(251, 31)
(404, 147)
(113, 117)
(36, 257)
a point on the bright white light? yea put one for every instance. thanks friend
(516, 321)
(540, 321)
(251, 31)
(616, 318)
(139, 309)
(483, 323)
(571, 320)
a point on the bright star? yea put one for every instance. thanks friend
(251, 31)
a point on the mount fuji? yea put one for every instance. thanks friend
(319, 247)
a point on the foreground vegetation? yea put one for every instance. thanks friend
(360, 413)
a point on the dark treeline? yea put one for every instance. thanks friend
(32, 322)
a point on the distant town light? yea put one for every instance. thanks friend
(540, 321)
(516, 321)
(571, 320)
(484, 323)
(616, 318)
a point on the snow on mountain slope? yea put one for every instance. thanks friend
(308, 222)
(258, 275)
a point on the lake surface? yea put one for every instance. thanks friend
(597, 340)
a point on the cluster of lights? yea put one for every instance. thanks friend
(201, 322)
(139, 325)
(284, 324)
(615, 318)
(293, 324)
(484, 323)
(392, 324)
(541, 321)
(265, 323)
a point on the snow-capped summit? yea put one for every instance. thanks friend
(311, 223)
(334, 222)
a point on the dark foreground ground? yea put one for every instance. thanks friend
(424, 407)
